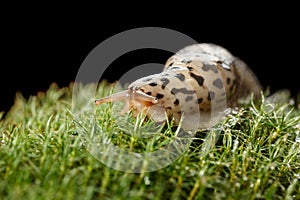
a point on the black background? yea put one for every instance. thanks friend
(41, 47)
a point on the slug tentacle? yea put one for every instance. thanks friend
(127, 95)
(133, 99)
(120, 96)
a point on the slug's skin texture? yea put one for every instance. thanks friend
(199, 82)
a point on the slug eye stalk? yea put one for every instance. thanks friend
(128, 96)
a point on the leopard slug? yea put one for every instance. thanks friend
(198, 81)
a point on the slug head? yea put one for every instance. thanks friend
(137, 101)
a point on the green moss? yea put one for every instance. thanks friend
(45, 156)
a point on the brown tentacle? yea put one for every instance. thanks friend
(120, 96)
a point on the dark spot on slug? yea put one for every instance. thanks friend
(199, 79)
(180, 76)
(219, 62)
(210, 67)
(159, 96)
(153, 84)
(182, 90)
(188, 98)
(169, 108)
(228, 81)
(199, 101)
(149, 93)
(218, 83)
(171, 63)
(211, 95)
(176, 102)
(190, 68)
(165, 82)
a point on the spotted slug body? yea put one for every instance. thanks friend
(198, 83)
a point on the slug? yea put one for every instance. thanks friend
(197, 83)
